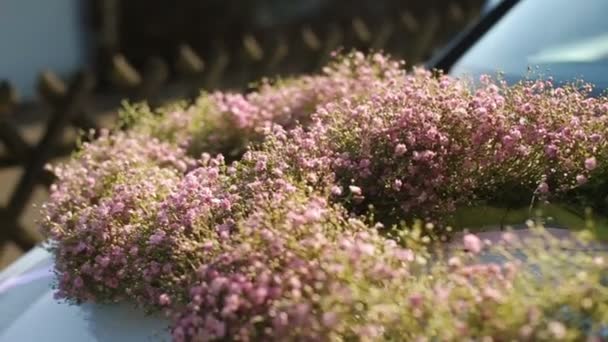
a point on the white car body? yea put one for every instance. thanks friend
(28, 311)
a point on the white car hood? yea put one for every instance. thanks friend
(28, 311)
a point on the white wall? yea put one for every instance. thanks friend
(39, 34)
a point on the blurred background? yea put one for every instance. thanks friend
(65, 66)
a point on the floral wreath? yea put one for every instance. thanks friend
(295, 212)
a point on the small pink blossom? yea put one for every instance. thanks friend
(551, 151)
(355, 190)
(397, 184)
(103, 261)
(157, 238)
(330, 319)
(472, 243)
(581, 179)
(416, 300)
(78, 282)
(454, 262)
(509, 237)
(164, 299)
(590, 163)
(400, 150)
(543, 188)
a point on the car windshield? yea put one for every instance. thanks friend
(565, 39)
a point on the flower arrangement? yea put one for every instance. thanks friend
(310, 230)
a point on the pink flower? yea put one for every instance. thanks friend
(364, 163)
(580, 179)
(215, 327)
(336, 190)
(481, 111)
(164, 299)
(330, 319)
(400, 150)
(157, 238)
(472, 243)
(590, 163)
(551, 151)
(507, 140)
(355, 190)
(416, 300)
(78, 282)
(454, 262)
(508, 237)
(260, 165)
(103, 261)
(367, 248)
(543, 188)
(313, 214)
(397, 184)
(405, 255)
(260, 294)
(492, 294)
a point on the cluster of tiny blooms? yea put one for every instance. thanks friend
(226, 122)
(309, 233)
(300, 270)
(140, 226)
(99, 203)
(425, 145)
